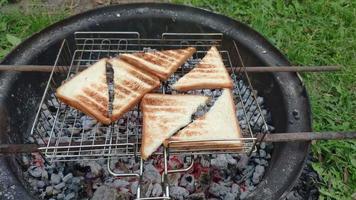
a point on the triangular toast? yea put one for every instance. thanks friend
(130, 85)
(219, 123)
(163, 115)
(209, 73)
(88, 92)
(160, 63)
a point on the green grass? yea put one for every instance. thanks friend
(314, 33)
(309, 33)
(16, 25)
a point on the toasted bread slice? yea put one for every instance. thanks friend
(219, 123)
(160, 63)
(163, 115)
(88, 92)
(209, 73)
(130, 84)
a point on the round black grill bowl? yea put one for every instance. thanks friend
(283, 92)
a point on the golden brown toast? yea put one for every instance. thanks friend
(130, 84)
(163, 115)
(209, 73)
(88, 92)
(160, 63)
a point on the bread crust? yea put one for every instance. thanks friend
(82, 107)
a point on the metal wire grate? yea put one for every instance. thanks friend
(63, 132)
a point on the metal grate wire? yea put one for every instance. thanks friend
(61, 130)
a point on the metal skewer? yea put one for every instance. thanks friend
(277, 137)
(254, 69)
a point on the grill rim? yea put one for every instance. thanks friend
(39, 43)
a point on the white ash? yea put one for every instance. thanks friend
(152, 174)
(179, 193)
(219, 190)
(234, 175)
(188, 182)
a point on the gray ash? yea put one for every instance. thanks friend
(219, 176)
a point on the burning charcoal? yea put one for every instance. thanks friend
(41, 184)
(218, 190)
(60, 196)
(242, 163)
(188, 182)
(263, 145)
(49, 190)
(133, 187)
(105, 192)
(55, 191)
(67, 177)
(60, 186)
(229, 196)
(257, 160)
(179, 193)
(70, 196)
(240, 113)
(262, 153)
(230, 159)
(119, 183)
(220, 162)
(235, 189)
(207, 92)
(25, 160)
(205, 162)
(44, 175)
(249, 170)
(257, 175)
(156, 190)
(197, 196)
(95, 168)
(152, 174)
(35, 171)
(88, 122)
(243, 195)
(55, 179)
(173, 179)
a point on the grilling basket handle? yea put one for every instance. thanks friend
(6, 149)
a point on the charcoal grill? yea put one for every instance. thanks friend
(59, 143)
(239, 46)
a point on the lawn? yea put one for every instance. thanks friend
(308, 33)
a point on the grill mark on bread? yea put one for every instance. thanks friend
(152, 59)
(95, 95)
(163, 58)
(163, 55)
(172, 54)
(142, 76)
(120, 88)
(89, 102)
